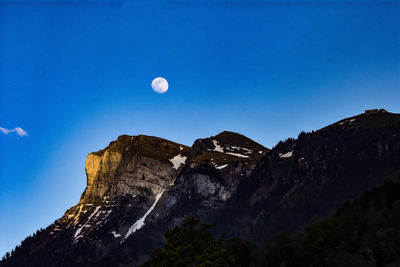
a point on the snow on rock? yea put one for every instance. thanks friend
(217, 148)
(222, 166)
(178, 160)
(115, 234)
(140, 223)
(77, 233)
(237, 155)
(76, 217)
(286, 155)
(247, 151)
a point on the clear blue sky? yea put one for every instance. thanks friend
(76, 74)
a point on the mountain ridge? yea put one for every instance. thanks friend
(371, 118)
(149, 184)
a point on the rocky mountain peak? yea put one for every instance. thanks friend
(211, 175)
(134, 169)
(224, 148)
(131, 163)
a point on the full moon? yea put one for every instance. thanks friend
(159, 85)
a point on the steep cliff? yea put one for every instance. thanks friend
(133, 168)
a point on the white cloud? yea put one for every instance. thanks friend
(18, 130)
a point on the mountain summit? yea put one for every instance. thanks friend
(371, 118)
(139, 186)
(138, 168)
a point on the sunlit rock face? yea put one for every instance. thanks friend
(131, 166)
(134, 169)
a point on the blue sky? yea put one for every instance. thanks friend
(76, 74)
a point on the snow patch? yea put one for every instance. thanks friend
(222, 166)
(286, 155)
(247, 151)
(178, 160)
(140, 223)
(237, 155)
(217, 148)
(115, 234)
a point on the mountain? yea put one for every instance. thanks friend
(311, 176)
(372, 118)
(139, 186)
(123, 182)
(124, 178)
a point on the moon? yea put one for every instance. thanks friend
(159, 85)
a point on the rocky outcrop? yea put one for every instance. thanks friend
(214, 169)
(133, 168)
(130, 166)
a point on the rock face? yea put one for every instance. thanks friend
(133, 168)
(139, 186)
(130, 166)
(214, 169)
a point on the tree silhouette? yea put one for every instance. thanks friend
(191, 245)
